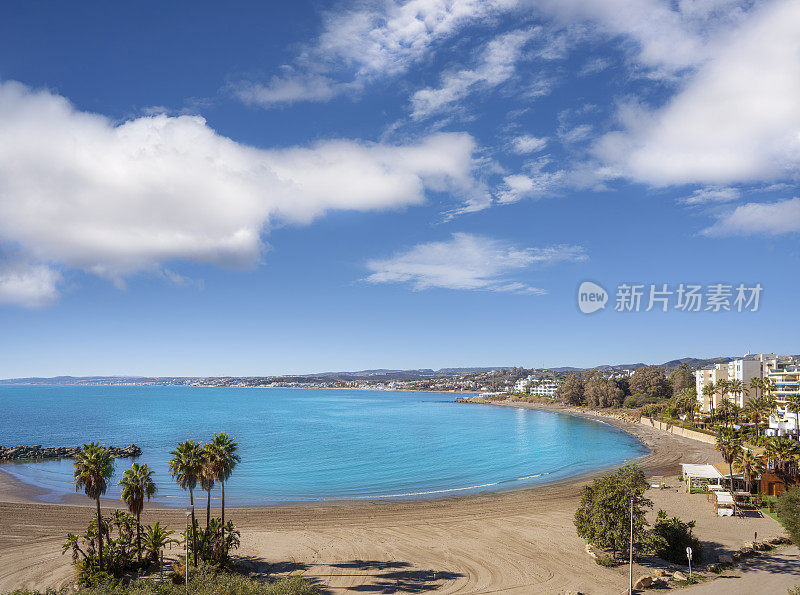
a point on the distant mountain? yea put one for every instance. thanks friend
(376, 375)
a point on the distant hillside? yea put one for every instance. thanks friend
(376, 375)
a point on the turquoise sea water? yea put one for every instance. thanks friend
(307, 445)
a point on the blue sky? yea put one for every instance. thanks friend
(189, 189)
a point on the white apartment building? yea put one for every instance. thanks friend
(743, 369)
(537, 386)
(545, 388)
(784, 372)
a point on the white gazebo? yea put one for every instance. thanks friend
(693, 473)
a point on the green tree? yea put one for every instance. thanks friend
(603, 516)
(783, 454)
(681, 379)
(709, 392)
(793, 405)
(750, 465)
(687, 403)
(725, 411)
(737, 388)
(222, 459)
(571, 391)
(186, 466)
(602, 392)
(788, 508)
(137, 484)
(207, 482)
(754, 408)
(729, 445)
(651, 382)
(94, 467)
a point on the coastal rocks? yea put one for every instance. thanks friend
(37, 453)
(643, 583)
(679, 576)
(725, 559)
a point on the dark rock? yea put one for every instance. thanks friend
(37, 453)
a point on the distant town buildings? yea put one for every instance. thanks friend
(540, 387)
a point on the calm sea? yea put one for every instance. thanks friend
(307, 445)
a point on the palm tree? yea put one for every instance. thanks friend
(155, 539)
(137, 484)
(793, 405)
(756, 385)
(709, 391)
(750, 465)
(222, 460)
(687, 402)
(729, 445)
(737, 388)
(754, 408)
(725, 410)
(186, 466)
(94, 467)
(784, 454)
(207, 482)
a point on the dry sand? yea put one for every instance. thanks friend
(519, 541)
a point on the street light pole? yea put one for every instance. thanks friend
(630, 576)
(189, 510)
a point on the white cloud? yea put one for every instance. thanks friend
(594, 66)
(576, 134)
(28, 285)
(519, 186)
(526, 143)
(497, 65)
(468, 262)
(286, 89)
(759, 218)
(711, 195)
(667, 37)
(369, 41)
(737, 120)
(79, 190)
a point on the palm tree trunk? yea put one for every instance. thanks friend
(99, 535)
(730, 466)
(208, 508)
(223, 516)
(194, 533)
(139, 537)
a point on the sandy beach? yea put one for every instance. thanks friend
(520, 541)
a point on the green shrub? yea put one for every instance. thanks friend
(671, 537)
(788, 508)
(202, 581)
(607, 561)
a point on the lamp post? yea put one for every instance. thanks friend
(630, 545)
(189, 511)
(630, 576)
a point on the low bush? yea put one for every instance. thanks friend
(788, 508)
(671, 537)
(203, 581)
(607, 561)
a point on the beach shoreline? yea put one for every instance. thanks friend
(519, 540)
(13, 489)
